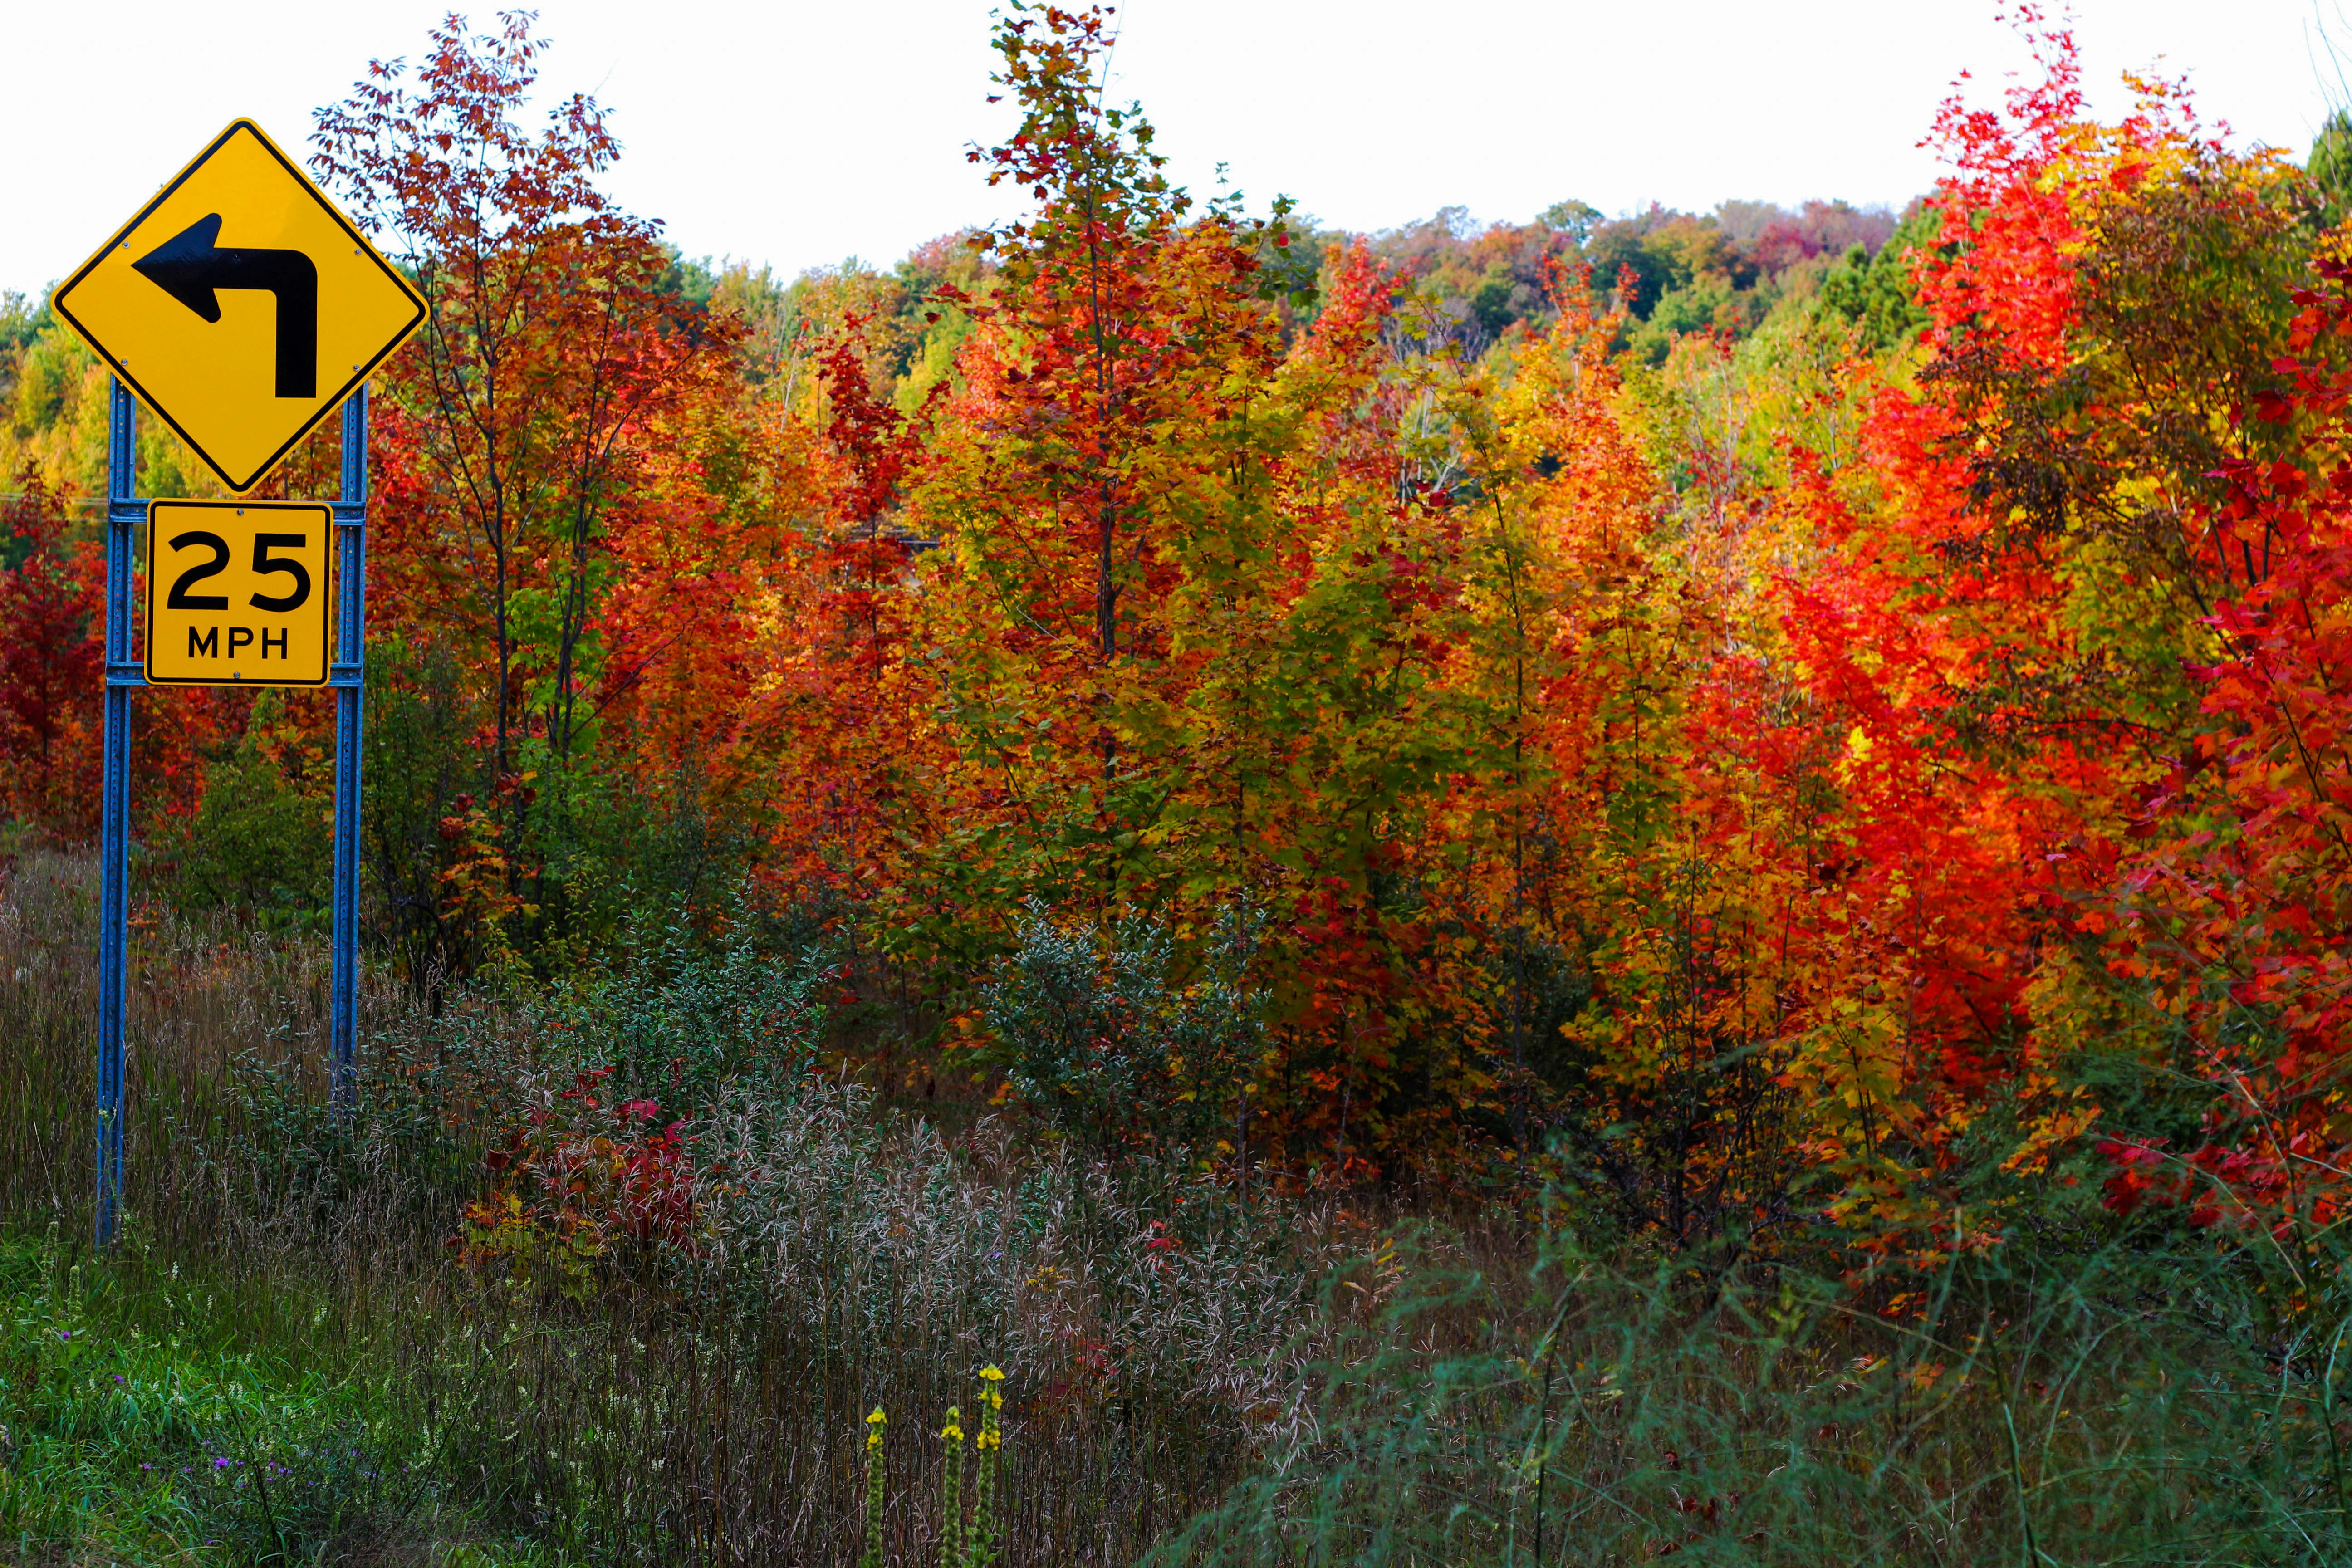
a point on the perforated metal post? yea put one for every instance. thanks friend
(122, 514)
(347, 676)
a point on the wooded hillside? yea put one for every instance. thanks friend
(1755, 720)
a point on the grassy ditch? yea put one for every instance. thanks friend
(616, 1273)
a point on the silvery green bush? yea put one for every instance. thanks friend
(1118, 1035)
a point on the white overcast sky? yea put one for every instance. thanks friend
(797, 133)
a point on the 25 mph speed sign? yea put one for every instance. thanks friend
(237, 593)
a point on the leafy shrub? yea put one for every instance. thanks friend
(259, 842)
(682, 1022)
(1103, 1026)
(583, 1184)
(590, 1168)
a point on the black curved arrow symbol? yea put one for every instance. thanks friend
(189, 266)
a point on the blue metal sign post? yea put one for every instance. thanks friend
(123, 673)
(347, 675)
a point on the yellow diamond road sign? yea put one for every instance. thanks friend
(237, 593)
(240, 305)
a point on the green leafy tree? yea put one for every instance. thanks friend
(1875, 290)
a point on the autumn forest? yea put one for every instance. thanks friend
(1549, 892)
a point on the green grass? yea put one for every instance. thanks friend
(153, 1418)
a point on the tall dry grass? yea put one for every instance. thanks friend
(1154, 1329)
(204, 995)
(856, 1265)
